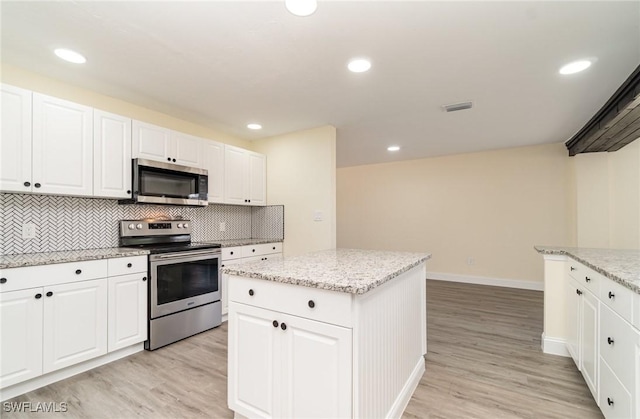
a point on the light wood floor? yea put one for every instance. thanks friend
(484, 361)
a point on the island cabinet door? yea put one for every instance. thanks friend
(316, 369)
(253, 348)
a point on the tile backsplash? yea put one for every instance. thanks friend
(67, 223)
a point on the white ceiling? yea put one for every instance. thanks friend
(225, 64)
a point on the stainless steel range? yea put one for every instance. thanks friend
(184, 279)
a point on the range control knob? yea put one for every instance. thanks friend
(179, 225)
(185, 225)
(139, 226)
(131, 226)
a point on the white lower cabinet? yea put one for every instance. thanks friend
(69, 313)
(75, 323)
(127, 310)
(20, 336)
(279, 361)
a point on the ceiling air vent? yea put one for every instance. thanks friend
(453, 107)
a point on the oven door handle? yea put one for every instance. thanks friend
(190, 253)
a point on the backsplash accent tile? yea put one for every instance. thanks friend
(68, 223)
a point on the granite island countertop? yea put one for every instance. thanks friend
(345, 270)
(49, 258)
(619, 265)
(242, 242)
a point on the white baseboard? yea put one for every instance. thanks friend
(410, 386)
(483, 280)
(554, 346)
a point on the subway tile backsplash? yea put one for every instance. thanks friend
(67, 223)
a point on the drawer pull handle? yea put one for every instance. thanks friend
(3, 280)
(312, 304)
(37, 185)
(275, 323)
(251, 293)
(578, 292)
(609, 401)
(253, 250)
(49, 294)
(78, 271)
(573, 269)
(231, 252)
(129, 265)
(610, 341)
(38, 296)
(27, 184)
(611, 295)
(586, 278)
(274, 248)
(144, 278)
(283, 326)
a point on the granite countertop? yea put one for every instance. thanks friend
(242, 242)
(619, 265)
(48, 258)
(345, 270)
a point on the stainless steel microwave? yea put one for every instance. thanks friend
(157, 182)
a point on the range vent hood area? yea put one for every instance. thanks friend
(615, 125)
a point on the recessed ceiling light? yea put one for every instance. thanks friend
(301, 7)
(71, 56)
(393, 148)
(575, 67)
(359, 65)
(254, 126)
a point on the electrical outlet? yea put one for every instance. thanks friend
(471, 261)
(28, 231)
(318, 215)
(223, 226)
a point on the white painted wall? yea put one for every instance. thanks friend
(491, 206)
(301, 175)
(608, 198)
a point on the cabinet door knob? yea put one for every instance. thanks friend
(253, 250)
(312, 304)
(37, 185)
(27, 184)
(586, 278)
(129, 265)
(573, 269)
(174, 160)
(611, 295)
(168, 158)
(251, 292)
(274, 248)
(49, 294)
(231, 252)
(144, 278)
(609, 401)
(275, 323)
(578, 292)
(283, 326)
(128, 191)
(78, 271)
(3, 280)
(610, 341)
(222, 266)
(38, 296)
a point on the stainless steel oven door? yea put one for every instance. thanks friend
(183, 280)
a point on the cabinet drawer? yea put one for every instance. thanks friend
(231, 252)
(615, 400)
(261, 249)
(618, 297)
(590, 279)
(60, 273)
(574, 269)
(617, 345)
(311, 303)
(127, 265)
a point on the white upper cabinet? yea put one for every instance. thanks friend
(150, 142)
(161, 144)
(62, 152)
(15, 144)
(186, 150)
(112, 155)
(245, 177)
(214, 163)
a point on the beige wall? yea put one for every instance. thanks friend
(490, 206)
(38, 83)
(608, 198)
(301, 170)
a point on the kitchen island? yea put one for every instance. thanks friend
(335, 333)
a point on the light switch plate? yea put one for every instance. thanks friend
(318, 215)
(223, 226)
